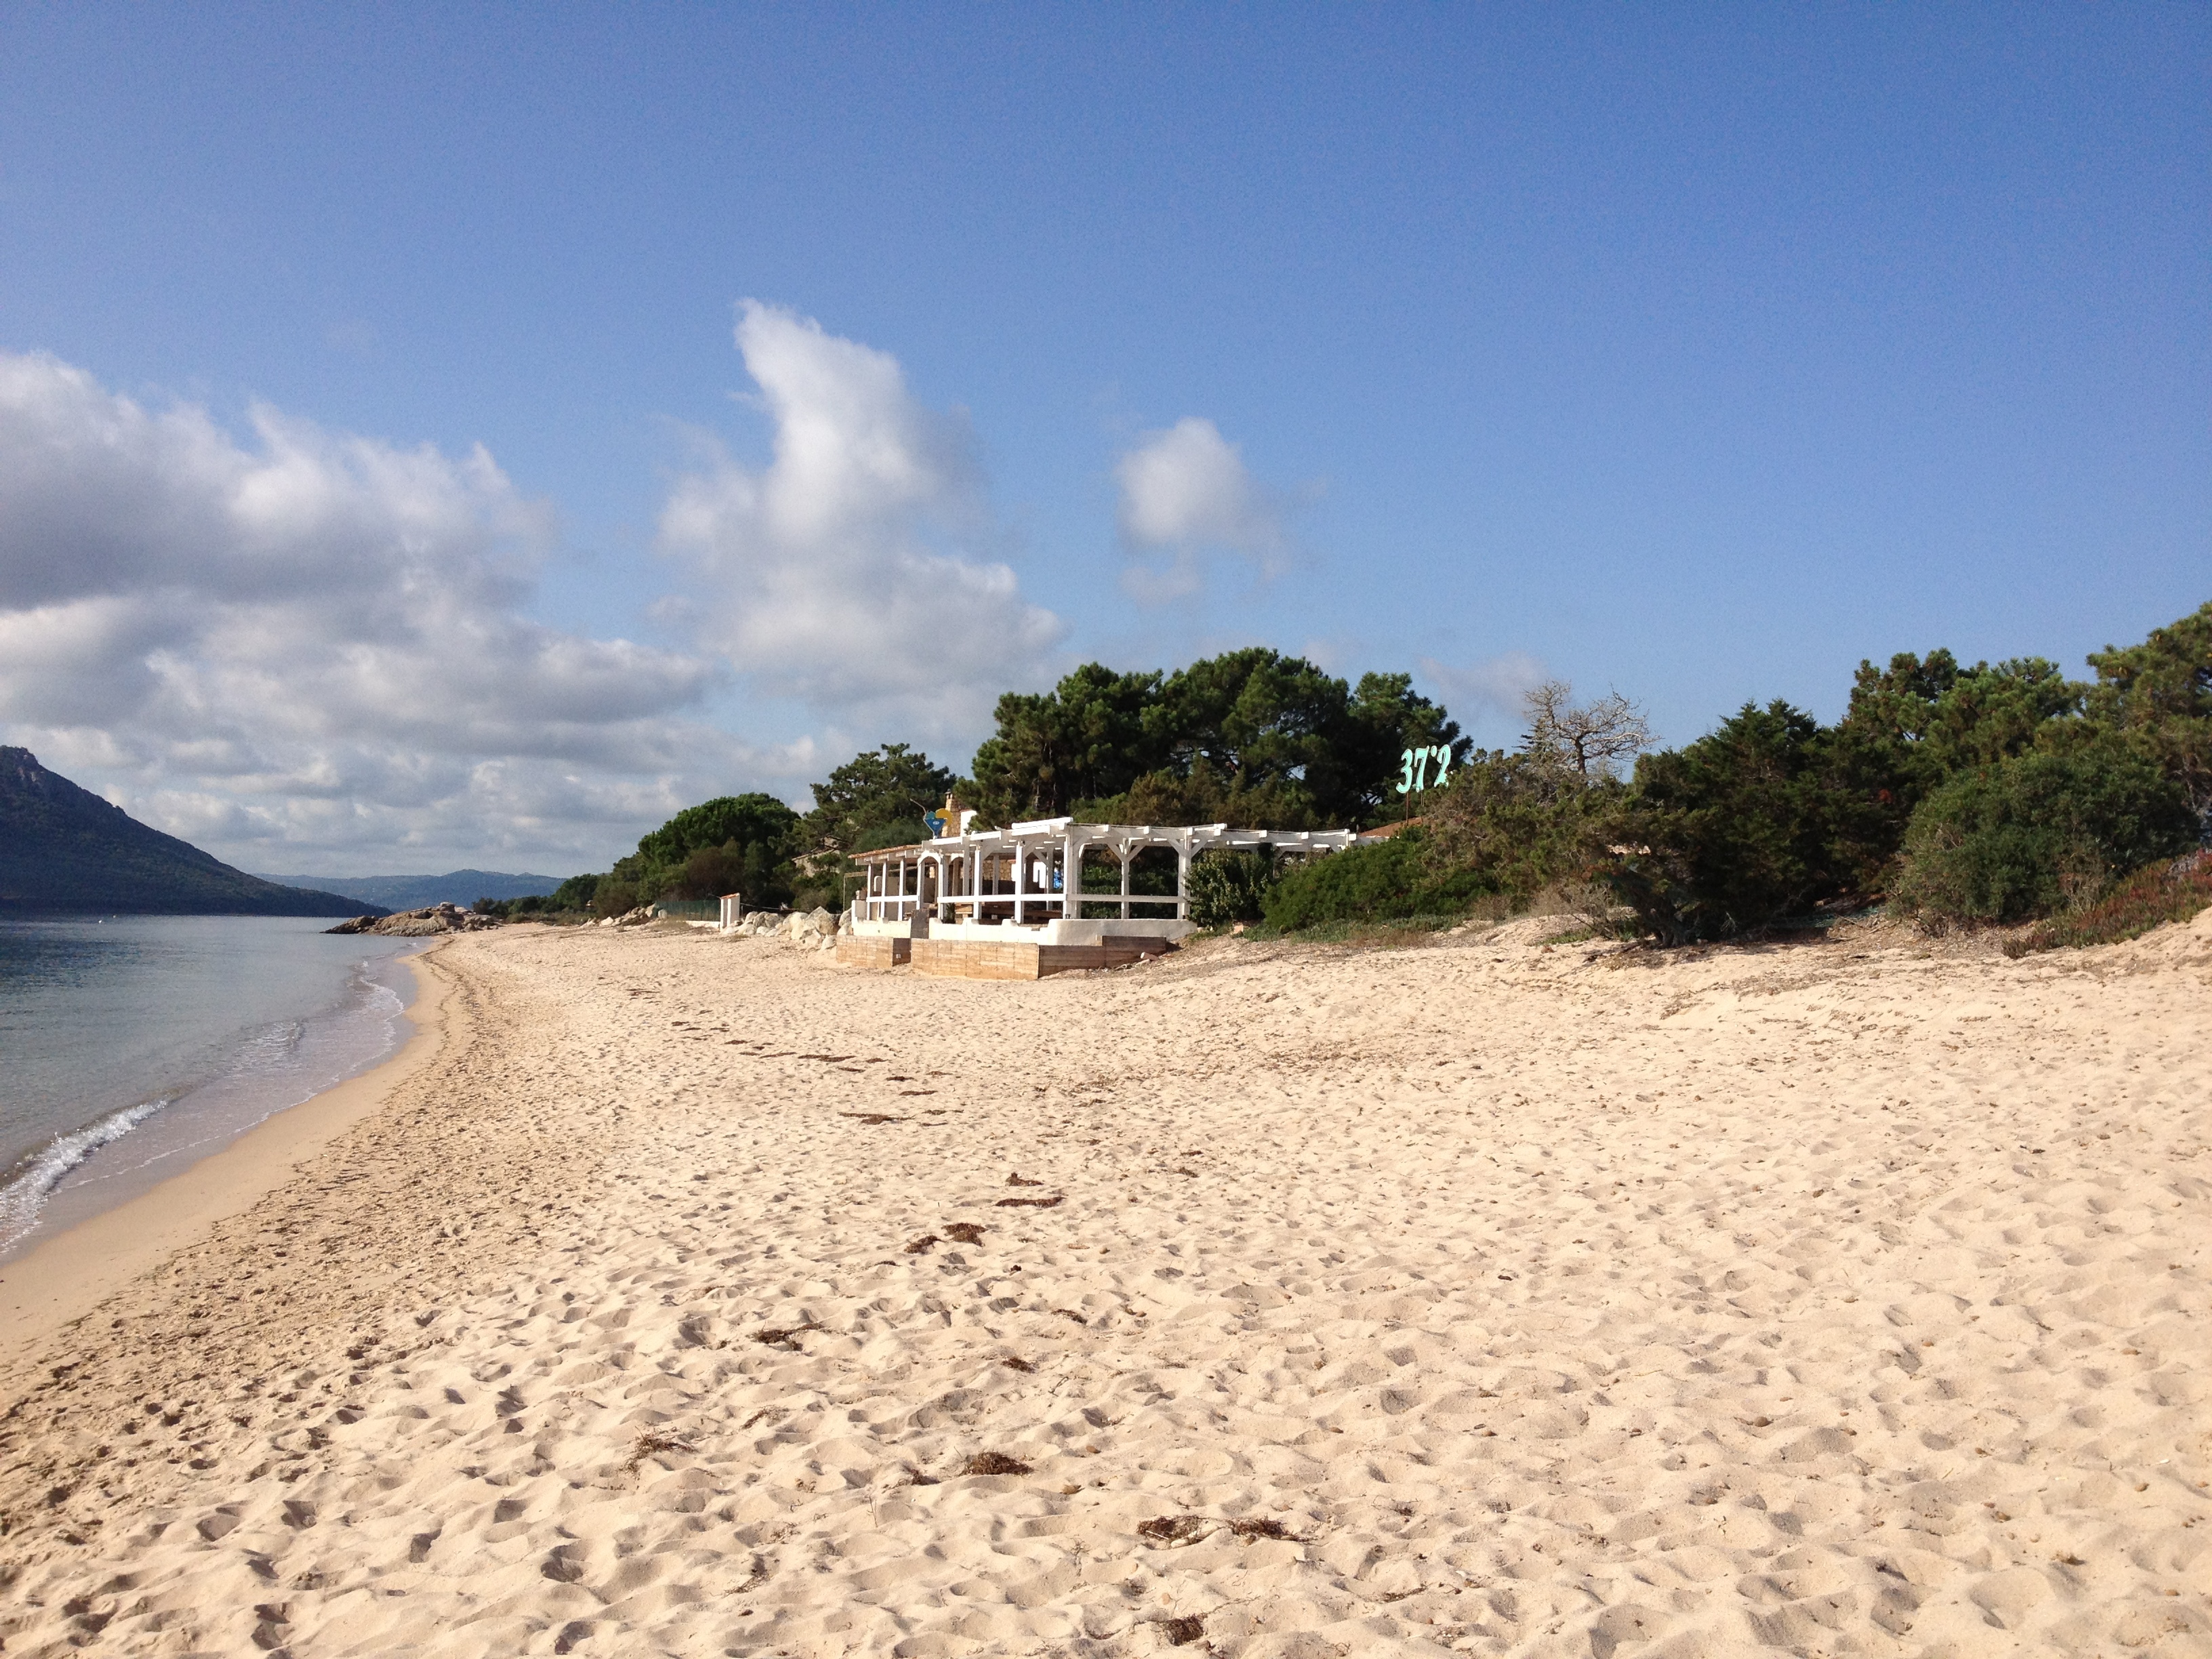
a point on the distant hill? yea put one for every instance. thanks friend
(462, 887)
(65, 850)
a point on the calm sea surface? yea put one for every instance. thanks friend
(132, 1047)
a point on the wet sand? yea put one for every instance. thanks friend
(702, 1296)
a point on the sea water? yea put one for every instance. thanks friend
(132, 1047)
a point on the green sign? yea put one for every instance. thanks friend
(1416, 774)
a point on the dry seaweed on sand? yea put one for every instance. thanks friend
(1172, 1529)
(652, 1445)
(1182, 1632)
(964, 1232)
(922, 1243)
(1052, 1203)
(991, 1462)
(785, 1338)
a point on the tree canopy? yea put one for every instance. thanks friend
(1251, 737)
(733, 843)
(876, 798)
(2158, 697)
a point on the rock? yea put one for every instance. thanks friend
(441, 918)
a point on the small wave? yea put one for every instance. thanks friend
(22, 1197)
(266, 1070)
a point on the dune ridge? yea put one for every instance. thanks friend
(1485, 1298)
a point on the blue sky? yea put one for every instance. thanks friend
(1695, 352)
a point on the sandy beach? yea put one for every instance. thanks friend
(678, 1295)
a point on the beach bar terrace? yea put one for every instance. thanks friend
(1013, 903)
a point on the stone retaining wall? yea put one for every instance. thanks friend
(860, 951)
(961, 959)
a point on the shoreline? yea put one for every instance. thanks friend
(67, 1276)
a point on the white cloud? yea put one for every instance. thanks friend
(307, 642)
(1493, 687)
(848, 571)
(1186, 491)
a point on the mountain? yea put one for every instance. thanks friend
(462, 887)
(63, 849)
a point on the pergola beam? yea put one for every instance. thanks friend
(948, 872)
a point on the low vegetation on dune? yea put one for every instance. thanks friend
(2163, 893)
(1997, 795)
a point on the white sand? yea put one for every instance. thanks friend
(1820, 1299)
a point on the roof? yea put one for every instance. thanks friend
(1384, 831)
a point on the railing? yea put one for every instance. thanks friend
(689, 909)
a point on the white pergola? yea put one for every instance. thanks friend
(1032, 873)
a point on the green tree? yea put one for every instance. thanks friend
(760, 832)
(1734, 831)
(1085, 739)
(1922, 720)
(2157, 696)
(1251, 737)
(878, 799)
(1386, 718)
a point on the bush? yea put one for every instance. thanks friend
(1518, 825)
(1383, 881)
(2038, 834)
(1229, 887)
(615, 898)
(2163, 893)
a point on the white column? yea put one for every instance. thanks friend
(1125, 854)
(1182, 879)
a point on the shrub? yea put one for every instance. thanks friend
(1383, 881)
(1227, 887)
(2038, 834)
(2163, 893)
(1518, 824)
(615, 898)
